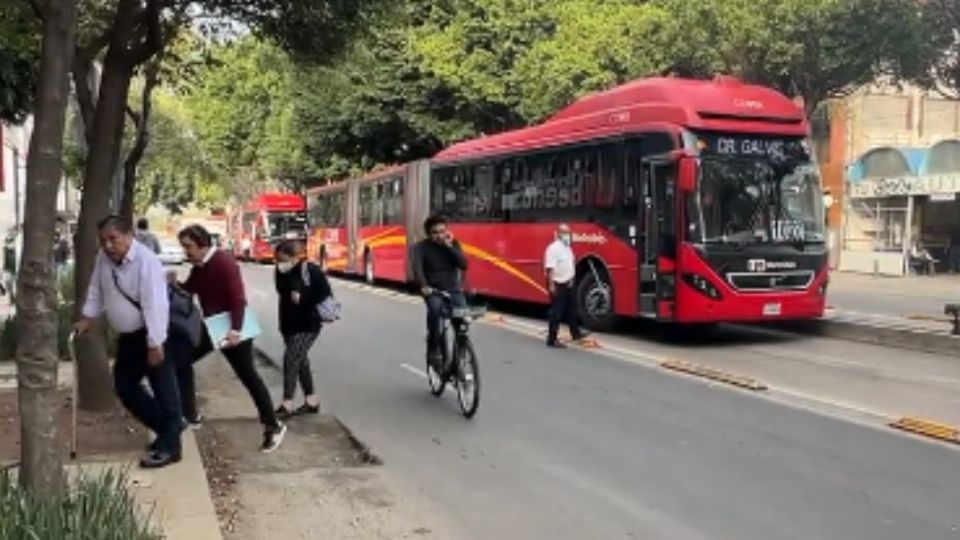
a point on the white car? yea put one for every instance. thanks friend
(171, 253)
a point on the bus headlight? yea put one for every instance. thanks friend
(703, 285)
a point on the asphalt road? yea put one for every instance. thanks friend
(573, 445)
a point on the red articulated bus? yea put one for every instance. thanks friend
(327, 241)
(362, 226)
(690, 201)
(258, 226)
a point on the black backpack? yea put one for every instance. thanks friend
(185, 318)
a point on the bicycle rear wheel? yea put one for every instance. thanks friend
(468, 378)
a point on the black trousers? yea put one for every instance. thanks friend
(185, 354)
(436, 305)
(563, 308)
(160, 412)
(241, 359)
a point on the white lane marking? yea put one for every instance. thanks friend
(416, 371)
(837, 404)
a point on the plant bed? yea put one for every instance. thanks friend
(95, 508)
(99, 435)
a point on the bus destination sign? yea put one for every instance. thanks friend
(753, 146)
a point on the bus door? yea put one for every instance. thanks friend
(658, 252)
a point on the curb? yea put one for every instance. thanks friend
(893, 336)
(268, 358)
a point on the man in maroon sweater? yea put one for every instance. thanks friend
(215, 279)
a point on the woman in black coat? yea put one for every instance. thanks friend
(301, 286)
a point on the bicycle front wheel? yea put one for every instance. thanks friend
(468, 378)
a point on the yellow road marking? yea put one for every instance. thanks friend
(714, 374)
(928, 428)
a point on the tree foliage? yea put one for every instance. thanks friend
(943, 21)
(19, 58)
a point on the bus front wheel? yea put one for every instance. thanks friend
(595, 302)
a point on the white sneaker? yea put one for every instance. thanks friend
(273, 438)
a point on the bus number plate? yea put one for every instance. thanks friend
(772, 310)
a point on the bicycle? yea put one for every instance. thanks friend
(458, 359)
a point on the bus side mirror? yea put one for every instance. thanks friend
(688, 174)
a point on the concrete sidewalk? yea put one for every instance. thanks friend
(177, 498)
(912, 297)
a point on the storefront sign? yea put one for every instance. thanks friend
(936, 184)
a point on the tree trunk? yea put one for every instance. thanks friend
(141, 122)
(96, 389)
(37, 355)
(133, 38)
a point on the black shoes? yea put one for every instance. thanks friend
(306, 408)
(284, 413)
(159, 459)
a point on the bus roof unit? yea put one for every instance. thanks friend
(723, 104)
(277, 202)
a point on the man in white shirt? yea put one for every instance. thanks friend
(560, 263)
(128, 283)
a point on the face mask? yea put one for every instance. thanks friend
(566, 238)
(285, 267)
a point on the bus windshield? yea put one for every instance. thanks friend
(743, 201)
(287, 224)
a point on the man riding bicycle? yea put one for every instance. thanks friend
(437, 265)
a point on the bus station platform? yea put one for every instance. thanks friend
(905, 312)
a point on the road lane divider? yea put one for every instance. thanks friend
(714, 374)
(927, 428)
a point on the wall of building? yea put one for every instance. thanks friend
(14, 141)
(901, 154)
(14, 146)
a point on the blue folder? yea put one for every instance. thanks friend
(218, 326)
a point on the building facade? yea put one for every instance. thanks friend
(890, 158)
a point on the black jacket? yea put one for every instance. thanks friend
(438, 266)
(302, 317)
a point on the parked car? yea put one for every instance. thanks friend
(171, 253)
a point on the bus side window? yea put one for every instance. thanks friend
(482, 201)
(501, 190)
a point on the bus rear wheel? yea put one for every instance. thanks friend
(595, 302)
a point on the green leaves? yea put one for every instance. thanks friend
(441, 71)
(96, 508)
(942, 22)
(814, 49)
(19, 55)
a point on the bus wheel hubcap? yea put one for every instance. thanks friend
(598, 302)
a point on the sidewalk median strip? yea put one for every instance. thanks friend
(927, 428)
(714, 374)
(931, 318)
